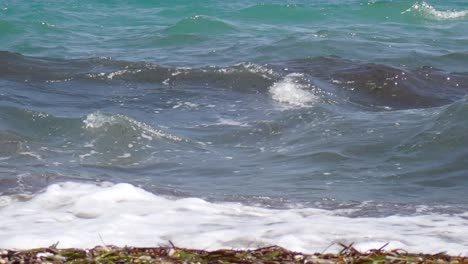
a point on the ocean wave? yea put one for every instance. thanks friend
(446, 130)
(292, 92)
(116, 140)
(428, 11)
(97, 139)
(374, 86)
(107, 211)
(243, 77)
(200, 24)
(383, 87)
(100, 121)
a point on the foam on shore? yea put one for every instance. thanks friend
(85, 215)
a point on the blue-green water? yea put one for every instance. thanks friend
(184, 33)
(316, 102)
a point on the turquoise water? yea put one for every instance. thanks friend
(319, 102)
(205, 33)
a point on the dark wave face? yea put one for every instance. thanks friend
(373, 86)
(301, 130)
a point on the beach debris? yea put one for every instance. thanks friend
(176, 255)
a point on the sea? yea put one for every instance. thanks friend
(307, 124)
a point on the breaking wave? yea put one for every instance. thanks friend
(291, 92)
(98, 120)
(428, 11)
(123, 214)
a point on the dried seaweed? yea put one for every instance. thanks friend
(175, 255)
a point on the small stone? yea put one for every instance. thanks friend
(298, 257)
(3, 261)
(43, 255)
(171, 252)
(101, 249)
(144, 258)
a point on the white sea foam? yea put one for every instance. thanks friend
(31, 154)
(264, 71)
(291, 92)
(111, 75)
(79, 215)
(429, 11)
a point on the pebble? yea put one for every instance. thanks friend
(171, 252)
(44, 254)
(101, 249)
(144, 258)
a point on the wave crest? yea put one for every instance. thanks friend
(98, 120)
(200, 24)
(428, 11)
(292, 92)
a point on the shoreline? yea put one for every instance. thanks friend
(173, 254)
